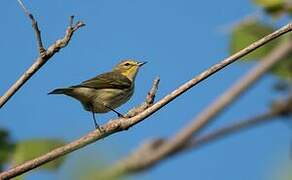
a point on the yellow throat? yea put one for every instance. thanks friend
(129, 68)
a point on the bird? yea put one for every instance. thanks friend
(106, 91)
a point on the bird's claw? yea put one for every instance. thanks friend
(120, 115)
(100, 129)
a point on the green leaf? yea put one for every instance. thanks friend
(283, 68)
(29, 149)
(248, 32)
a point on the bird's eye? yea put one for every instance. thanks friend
(127, 64)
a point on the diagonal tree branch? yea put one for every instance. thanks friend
(204, 118)
(135, 162)
(44, 55)
(80, 143)
(280, 109)
(122, 124)
(146, 156)
(243, 125)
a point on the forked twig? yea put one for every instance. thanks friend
(44, 55)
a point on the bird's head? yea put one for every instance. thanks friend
(129, 68)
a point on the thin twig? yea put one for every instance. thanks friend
(121, 124)
(41, 48)
(148, 102)
(44, 56)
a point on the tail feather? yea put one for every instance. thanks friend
(59, 91)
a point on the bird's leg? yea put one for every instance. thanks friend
(119, 114)
(94, 120)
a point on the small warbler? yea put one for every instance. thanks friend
(106, 91)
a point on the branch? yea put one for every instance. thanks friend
(151, 151)
(41, 48)
(280, 109)
(148, 102)
(44, 55)
(204, 118)
(122, 124)
(137, 161)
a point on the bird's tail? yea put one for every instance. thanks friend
(60, 91)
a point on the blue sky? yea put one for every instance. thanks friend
(179, 39)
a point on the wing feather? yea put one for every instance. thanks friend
(111, 80)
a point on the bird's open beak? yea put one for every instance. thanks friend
(142, 63)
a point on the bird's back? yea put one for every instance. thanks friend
(109, 89)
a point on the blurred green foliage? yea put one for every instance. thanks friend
(276, 8)
(29, 149)
(248, 32)
(6, 147)
(14, 153)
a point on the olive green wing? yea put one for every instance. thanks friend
(110, 80)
